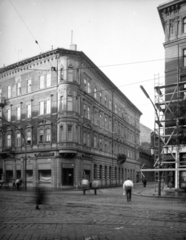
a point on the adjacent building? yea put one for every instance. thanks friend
(171, 96)
(62, 114)
(145, 157)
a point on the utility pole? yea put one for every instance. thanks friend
(159, 147)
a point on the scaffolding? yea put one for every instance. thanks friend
(172, 125)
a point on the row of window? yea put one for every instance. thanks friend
(104, 172)
(44, 108)
(44, 82)
(105, 144)
(44, 136)
(108, 103)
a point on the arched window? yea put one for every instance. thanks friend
(95, 171)
(115, 172)
(110, 172)
(100, 172)
(105, 172)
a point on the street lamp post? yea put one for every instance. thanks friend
(159, 153)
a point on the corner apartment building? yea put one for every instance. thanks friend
(171, 96)
(64, 115)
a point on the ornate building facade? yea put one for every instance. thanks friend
(171, 97)
(64, 120)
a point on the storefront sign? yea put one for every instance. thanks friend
(44, 154)
(67, 165)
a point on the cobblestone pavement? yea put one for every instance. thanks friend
(70, 215)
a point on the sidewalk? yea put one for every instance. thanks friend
(152, 191)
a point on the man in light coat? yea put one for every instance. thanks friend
(127, 189)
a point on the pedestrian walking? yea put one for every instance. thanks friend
(144, 181)
(127, 189)
(40, 196)
(17, 183)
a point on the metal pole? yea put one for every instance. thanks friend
(159, 153)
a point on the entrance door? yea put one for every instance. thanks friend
(67, 176)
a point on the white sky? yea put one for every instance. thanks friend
(109, 32)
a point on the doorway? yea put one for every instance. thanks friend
(67, 176)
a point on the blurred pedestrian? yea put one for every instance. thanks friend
(144, 181)
(40, 196)
(17, 183)
(127, 189)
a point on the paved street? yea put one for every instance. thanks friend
(107, 215)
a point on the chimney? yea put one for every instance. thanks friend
(73, 47)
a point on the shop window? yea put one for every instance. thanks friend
(45, 176)
(29, 175)
(29, 85)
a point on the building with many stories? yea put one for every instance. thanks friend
(170, 97)
(64, 120)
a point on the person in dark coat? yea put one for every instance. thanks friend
(144, 180)
(40, 195)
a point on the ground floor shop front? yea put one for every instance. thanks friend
(54, 170)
